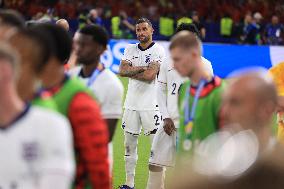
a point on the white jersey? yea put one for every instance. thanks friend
(170, 77)
(141, 95)
(36, 151)
(108, 90)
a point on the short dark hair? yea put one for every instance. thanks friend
(98, 33)
(40, 40)
(142, 20)
(185, 40)
(60, 39)
(12, 18)
(188, 27)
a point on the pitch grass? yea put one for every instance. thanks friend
(118, 156)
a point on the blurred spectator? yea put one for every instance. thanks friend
(198, 24)
(122, 27)
(48, 16)
(166, 27)
(63, 23)
(94, 18)
(210, 11)
(184, 19)
(259, 22)
(226, 26)
(274, 32)
(83, 18)
(250, 31)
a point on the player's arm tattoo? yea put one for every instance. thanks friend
(150, 74)
(127, 70)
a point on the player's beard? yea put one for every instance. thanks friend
(144, 40)
(87, 61)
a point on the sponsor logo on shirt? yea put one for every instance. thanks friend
(147, 58)
(30, 151)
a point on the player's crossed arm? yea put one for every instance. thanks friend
(127, 70)
(149, 74)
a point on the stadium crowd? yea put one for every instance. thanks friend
(59, 108)
(241, 21)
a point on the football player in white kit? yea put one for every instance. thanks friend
(90, 42)
(36, 144)
(163, 149)
(141, 64)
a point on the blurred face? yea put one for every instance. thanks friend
(248, 18)
(195, 18)
(144, 32)
(6, 72)
(94, 14)
(275, 20)
(86, 49)
(185, 60)
(240, 106)
(28, 76)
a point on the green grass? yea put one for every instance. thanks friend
(118, 156)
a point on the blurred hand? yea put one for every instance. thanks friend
(169, 126)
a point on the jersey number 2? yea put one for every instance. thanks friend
(174, 85)
(156, 117)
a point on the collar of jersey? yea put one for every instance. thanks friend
(209, 86)
(16, 119)
(100, 67)
(151, 45)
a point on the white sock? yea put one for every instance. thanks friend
(156, 180)
(130, 164)
(130, 158)
(130, 180)
(110, 156)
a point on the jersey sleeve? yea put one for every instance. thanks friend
(91, 141)
(162, 91)
(112, 105)
(126, 54)
(58, 164)
(158, 55)
(162, 77)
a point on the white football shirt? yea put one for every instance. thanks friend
(108, 90)
(170, 78)
(36, 149)
(141, 95)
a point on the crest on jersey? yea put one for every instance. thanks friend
(147, 60)
(30, 151)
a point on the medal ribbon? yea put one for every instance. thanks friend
(189, 113)
(93, 77)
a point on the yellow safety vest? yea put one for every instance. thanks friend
(166, 26)
(185, 20)
(83, 20)
(115, 22)
(226, 26)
